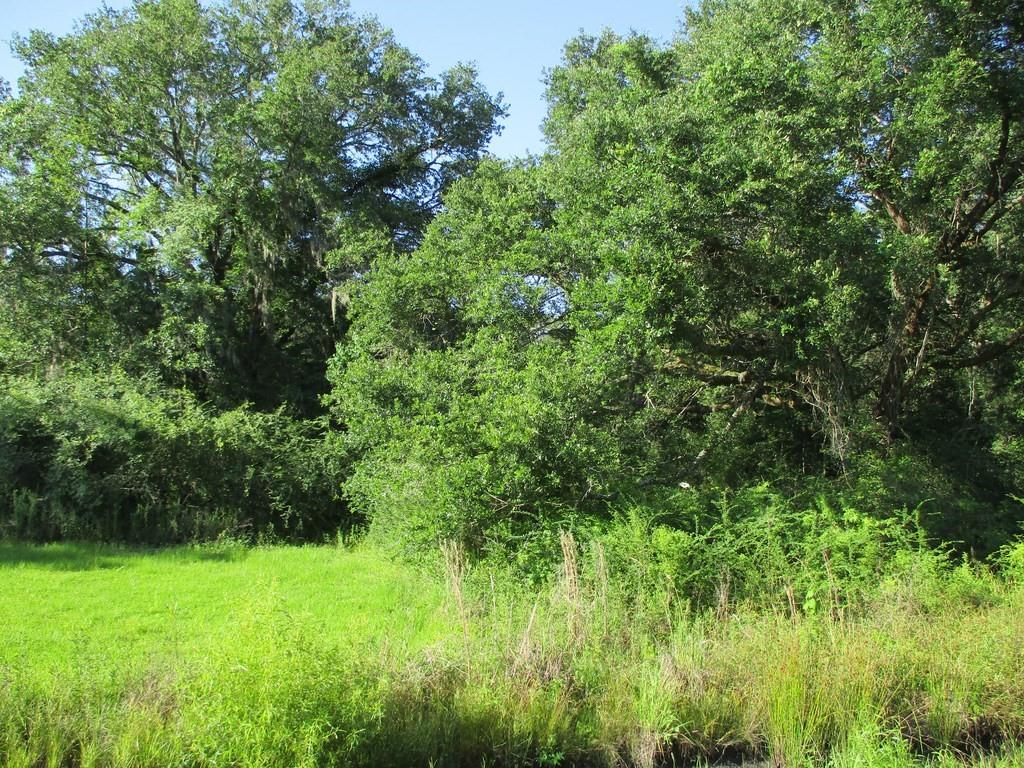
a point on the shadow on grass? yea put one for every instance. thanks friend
(78, 556)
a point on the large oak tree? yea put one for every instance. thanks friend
(183, 187)
(787, 240)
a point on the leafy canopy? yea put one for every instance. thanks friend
(186, 186)
(781, 246)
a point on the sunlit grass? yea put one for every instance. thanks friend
(98, 606)
(313, 656)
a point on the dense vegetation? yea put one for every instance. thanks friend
(184, 191)
(715, 409)
(773, 263)
(782, 250)
(321, 656)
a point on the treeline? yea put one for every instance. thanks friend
(185, 193)
(257, 277)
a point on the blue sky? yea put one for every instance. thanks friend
(510, 42)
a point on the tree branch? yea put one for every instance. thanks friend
(987, 353)
(898, 217)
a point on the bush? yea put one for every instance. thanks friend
(759, 546)
(108, 457)
(1011, 561)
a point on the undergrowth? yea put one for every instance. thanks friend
(582, 671)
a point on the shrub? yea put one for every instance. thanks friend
(758, 545)
(108, 457)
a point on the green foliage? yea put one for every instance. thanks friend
(186, 657)
(116, 458)
(186, 185)
(778, 249)
(758, 547)
(755, 313)
(714, 408)
(471, 417)
(1011, 559)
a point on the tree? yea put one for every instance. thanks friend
(855, 160)
(184, 188)
(784, 245)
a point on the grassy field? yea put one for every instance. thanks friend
(98, 645)
(72, 606)
(228, 656)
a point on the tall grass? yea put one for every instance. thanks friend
(583, 671)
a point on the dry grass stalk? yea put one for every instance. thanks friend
(722, 595)
(794, 612)
(455, 571)
(601, 582)
(571, 583)
(525, 650)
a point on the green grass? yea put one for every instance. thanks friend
(322, 656)
(61, 603)
(106, 654)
